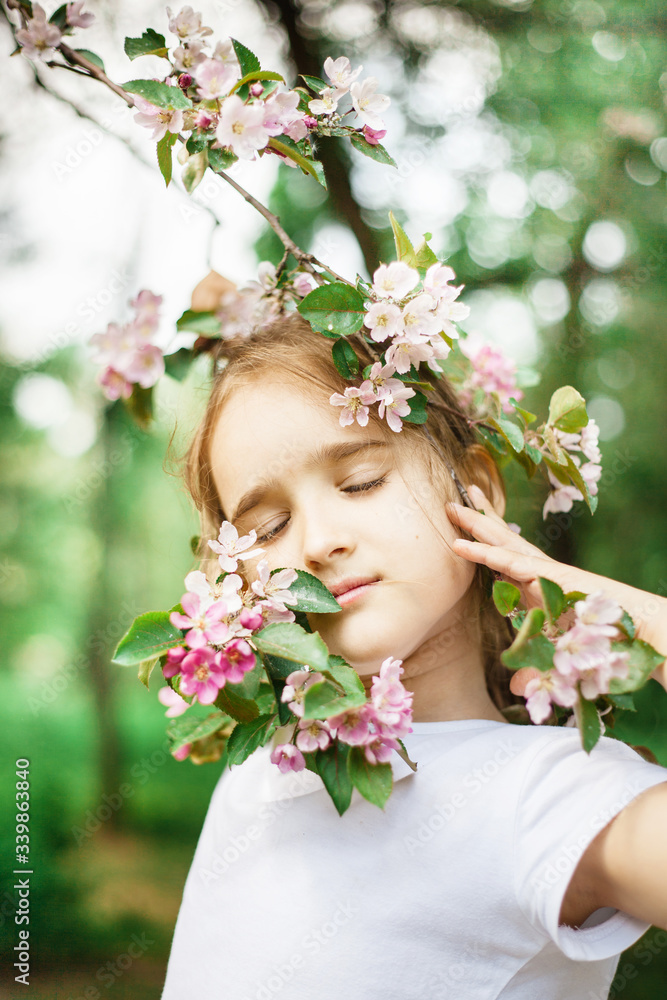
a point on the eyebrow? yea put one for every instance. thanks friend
(324, 455)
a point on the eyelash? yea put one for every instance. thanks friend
(357, 488)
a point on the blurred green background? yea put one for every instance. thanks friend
(531, 140)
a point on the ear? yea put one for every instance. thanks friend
(481, 470)
(206, 296)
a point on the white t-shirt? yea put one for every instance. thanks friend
(453, 891)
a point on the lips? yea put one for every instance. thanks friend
(356, 583)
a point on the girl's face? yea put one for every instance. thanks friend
(340, 503)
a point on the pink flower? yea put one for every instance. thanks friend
(225, 52)
(214, 79)
(187, 23)
(374, 136)
(391, 701)
(186, 57)
(273, 589)
(202, 675)
(182, 752)
(384, 319)
(449, 312)
(251, 619)
(379, 381)
(419, 318)
(379, 751)
(175, 657)
(231, 548)
(395, 280)
(281, 114)
(493, 372)
(353, 727)
(341, 74)
(39, 38)
(116, 345)
(114, 385)
(288, 758)
(436, 280)
(204, 119)
(147, 306)
(549, 687)
(395, 406)
(561, 500)
(600, 610)
(145, 366)
(595, 681)
(367, 103)
(407, 351)
(520, 679)
(296, 685)
(581, 648)
(75, 18)
(161, 120)
(175, 704)
(310, 122)
(241, 128)
(590, 473)
(302, 284)
(204, 624)
(236, 659)
(325, 104)
(312, 735)
(355, 402)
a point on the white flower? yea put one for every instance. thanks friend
(241, 128)
(214, 78)
(161, 120)
(39, 38)
(186, 57)
(187, 23)
(326, 104)
(225, 52)
(341, 74)
(419, 318)
(436, 280)
(589, 441)
(274, 588)
(368, 104)
(407, 351)
(395, 280)
(231, 548)
(384, 319)
(75, 18)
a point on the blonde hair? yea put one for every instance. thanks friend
(289, 349)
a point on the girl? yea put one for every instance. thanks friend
(511, 864)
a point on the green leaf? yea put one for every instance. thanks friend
(194, 170)
(375, 151)
(567, 410)
(418, 409)
(345, 358)
(553, 597)
(247, 736)
(146, 669)
(340, 691)
(314, 83)
(374, 781)
(505, 596)
(331, 765)
(91, 57)
(249, 686)
(534, 454)
(241, 709)
(205, 323)
(164, 157)
(559, 454)
(159, 94)
(149, 635)
(404, 247)
(627, 625)
(589, 723)
(312, 595)
(581, 484)
(335, 309)
(248, 61)
(290, 149)
(423, 258)
(149, 44)
(510, 432)
(140, 405)
(59, 18)
(177, 365)
(187, 730)
(573, 596)
(289, 642)
(221, 159)
(624, 701)
(526, 414)
(643, 661)
(530, 648)
(257, 74)
(496, 440)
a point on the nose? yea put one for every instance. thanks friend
(325, 536)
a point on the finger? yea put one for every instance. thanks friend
(482, 503)
(511, 563)
(491, 530)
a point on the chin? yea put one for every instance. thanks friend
(361, 645)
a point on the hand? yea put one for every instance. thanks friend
(521, 563)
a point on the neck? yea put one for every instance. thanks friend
(446, 677)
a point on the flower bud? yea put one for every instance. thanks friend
(184, 81)
(251, 619)
(310, 122)
(256, 89)
(203, 119)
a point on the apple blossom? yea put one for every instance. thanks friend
(392, 703)
(281, 114)
(600, 610)
(288, 758)
(175, 704)
(187, 57)
(374, 136)
(407, 351)
(353, 727)
(241, 128)
(492, 372)
(273, 589)
(296, 685)
(225, 52)
(341, 74)
(114, 385)
(183, 752)
(39, 38)
(214, 79)
(145, 366)
(395, 280)
(394, 406)
(204, 623)
(380, 749)
(302, 284)
(588, 441)
(436, 280)
(367, 103)
(355, 401)
(312, 735)
(380, 382)
(161, 120)
(187, 23)
(251, 619)
(384, 319)
(175, 657)
(231, 548)
(550, 687)
(325, 104)
(202, 675)
(75, 18)
(147, 307)
(236, 659)
(418, 316)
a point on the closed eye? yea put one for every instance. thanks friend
(356, 488)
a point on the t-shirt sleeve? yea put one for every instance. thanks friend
(567, 797)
